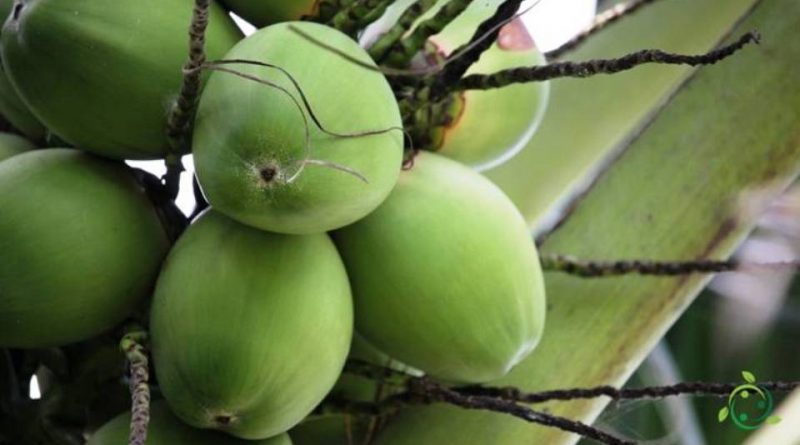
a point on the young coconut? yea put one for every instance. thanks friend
(166, 429)
(11, 105)
(261, 159)
(445, 274)
(482, 129)
(81, 246)
(12, 145)
(266, 12)
(103, 74)
(249, 329)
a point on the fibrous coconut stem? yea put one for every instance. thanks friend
(179, 119)
(404, 50)
(133, 345)
(387, 41)
(483, 38)
(600, 22)
(598, 269)
(599, 66)
(358, 15)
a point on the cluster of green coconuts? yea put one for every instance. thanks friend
(316, 246)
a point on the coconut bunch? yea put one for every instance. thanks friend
(329, 234)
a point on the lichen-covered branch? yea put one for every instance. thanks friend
(133, 345)
(387, 41)
(601, 21)
(358, 15)
(438, 393)
(650, 392)
(180, 116)
(483, 38)
(404, 50)
(598, 269)
(599, 66)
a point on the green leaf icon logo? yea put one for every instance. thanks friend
(723, 414)
(748, 377)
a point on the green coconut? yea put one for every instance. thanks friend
(166, 429)
(487, 127)
(266, 12)
(103, 74)
(12, 144)
(11, 105)
(254, 162)
(445, 274)
(81, 246)
(250, 329)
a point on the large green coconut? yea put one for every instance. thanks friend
(250, 329)
(488, 127)
(11, 105)
(11, 145)
(445, 275)
(266, 12)
(253, 160)
(166, 429)
(103, 74)
(80, 246)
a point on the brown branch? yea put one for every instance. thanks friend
(179, 119)
(483, 38)
(387, 41)
(598, 269)
(133, 345)
(651, 392)
(511, 401)
(405, 49)
(600, 66)
(438, 393)
(601, 21)
(421, 390)
(358, 15)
